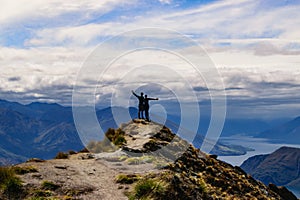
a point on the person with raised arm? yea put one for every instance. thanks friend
(141, 104)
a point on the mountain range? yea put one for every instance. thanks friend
(281, 167)
(42, 129)
(288, 132)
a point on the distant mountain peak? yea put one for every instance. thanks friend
(280, 167)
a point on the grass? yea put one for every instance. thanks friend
(147, 159)
(10, 184)
(147, 189)
(127, 179)
(24, 170)
(48, 185)
(40, 194)
(140, 160)
(123, 158)
(133, 161)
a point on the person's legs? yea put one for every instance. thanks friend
(141, 116)
(147, 114)
(142, 113)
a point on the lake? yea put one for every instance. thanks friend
(261, 146)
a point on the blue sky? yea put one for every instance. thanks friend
(255, 46)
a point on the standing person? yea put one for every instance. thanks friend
(146, 106)
(141, 104)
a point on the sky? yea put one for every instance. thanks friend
(253, 45)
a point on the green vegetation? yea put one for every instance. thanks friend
(116, 136)
(39, 194)
(10, 184)
(140, 160)
(123, 158)
(62, 155)
(48, 185)
(79, 191)
(148, 188)
(24, 169)
(127, 179)
(133, 161)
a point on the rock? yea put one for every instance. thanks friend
(60, 167)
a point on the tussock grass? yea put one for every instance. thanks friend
(48, 185)
(10, 184)
(127, 179)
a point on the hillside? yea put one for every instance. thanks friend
(140, 169)
(288, 132)
(280, 167)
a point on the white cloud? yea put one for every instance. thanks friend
(249, 43)
(12, 11)
(165, 1)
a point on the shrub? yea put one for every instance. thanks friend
(116, 136)
(84, 150)
(120, 140)
(47, 185)
(62, 155)
(71, 152)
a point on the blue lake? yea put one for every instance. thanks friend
(261, 146)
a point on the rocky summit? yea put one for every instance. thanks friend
(147, 161)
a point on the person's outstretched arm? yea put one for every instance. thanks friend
(152, 98)
(134, 94)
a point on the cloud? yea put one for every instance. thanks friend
(267, 48)
(165, 1)
(254, 45)
(13, 11)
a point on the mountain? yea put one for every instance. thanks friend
(22, 137)
(288, 132)
(150, 162)
(42, 129)
(35, 130)
(281, 167)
